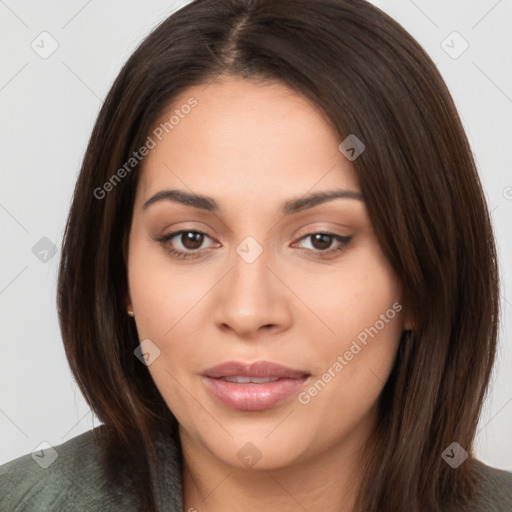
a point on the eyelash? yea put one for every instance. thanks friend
(342, 240)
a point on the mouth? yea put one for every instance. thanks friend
(253, 387)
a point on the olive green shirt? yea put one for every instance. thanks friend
(70, 477)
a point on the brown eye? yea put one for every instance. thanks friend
(184, 243)
(192, 239)
(322, 243)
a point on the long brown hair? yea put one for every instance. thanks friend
(421, 187)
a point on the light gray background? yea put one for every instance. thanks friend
(48, 106)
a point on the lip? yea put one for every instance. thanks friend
(256, 369)
(253, 396)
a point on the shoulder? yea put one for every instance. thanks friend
(69, 476)
(494, 489)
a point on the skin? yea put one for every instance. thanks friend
(251, 146)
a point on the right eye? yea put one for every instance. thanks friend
(190, 240)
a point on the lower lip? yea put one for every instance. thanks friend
(251, 396)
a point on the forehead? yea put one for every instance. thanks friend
(244, 139)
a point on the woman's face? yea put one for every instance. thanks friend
(256, 280)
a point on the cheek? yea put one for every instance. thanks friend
(348, 297)
(162, 293)
(350, 374)
(362, 326)
(167, 302)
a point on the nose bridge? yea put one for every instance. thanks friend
(251, 296)
(250, 278)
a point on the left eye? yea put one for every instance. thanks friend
(322, 242)
(191, 242)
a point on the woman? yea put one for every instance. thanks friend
(278, 285)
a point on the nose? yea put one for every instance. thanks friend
(253, 299)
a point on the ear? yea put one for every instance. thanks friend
(409, 318)
(408, 315)
(128, 303)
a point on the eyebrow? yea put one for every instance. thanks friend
(289, 207)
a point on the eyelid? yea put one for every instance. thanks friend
(169, 236)
(322, 227)
(310, 230)
(342, 243)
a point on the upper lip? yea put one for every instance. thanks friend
(257, 369)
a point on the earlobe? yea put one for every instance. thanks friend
(403, 306)
(129, 307)
(409, 323)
